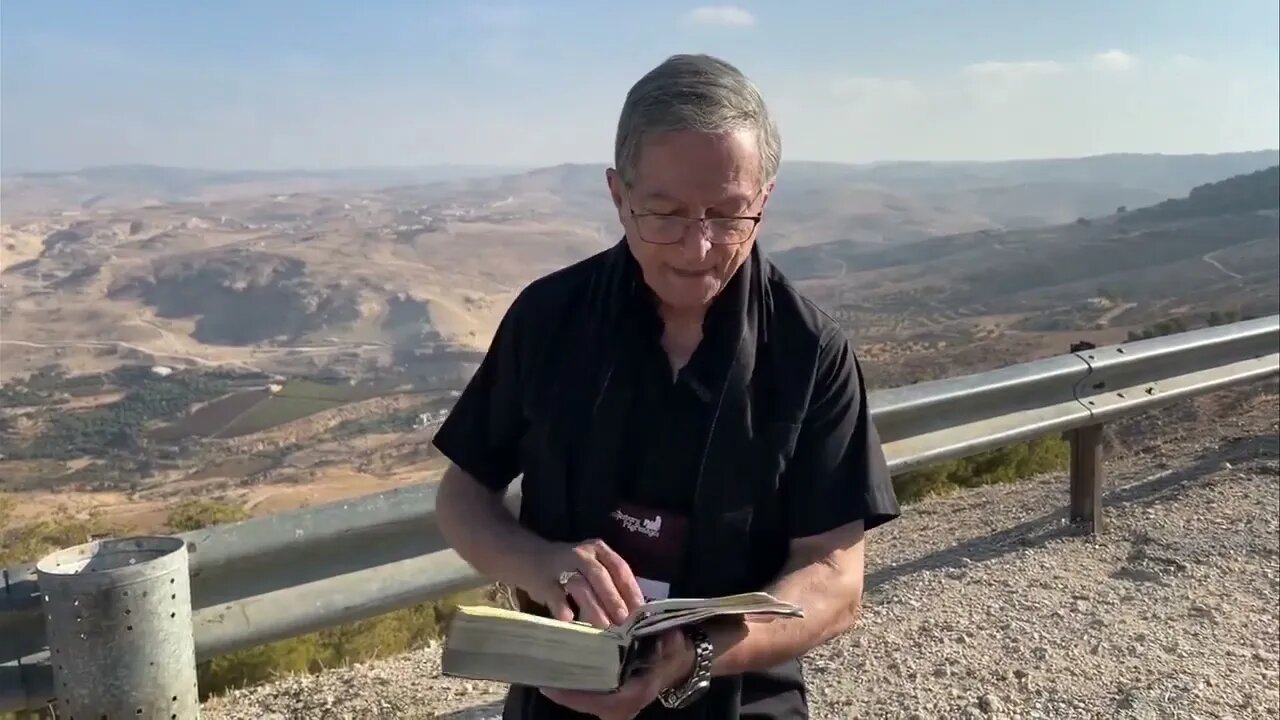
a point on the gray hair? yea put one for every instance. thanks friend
(694, 92)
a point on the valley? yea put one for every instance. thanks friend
(948, 305)
(274, 344)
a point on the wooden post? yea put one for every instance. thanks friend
(1086, 476)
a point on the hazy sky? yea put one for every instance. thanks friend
(293, 83)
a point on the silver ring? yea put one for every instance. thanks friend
(566, 576)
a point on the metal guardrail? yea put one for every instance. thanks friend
(275, 577)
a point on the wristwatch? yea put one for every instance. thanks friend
(699, 680)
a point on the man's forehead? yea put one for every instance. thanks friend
(698, 167)
(728, 193)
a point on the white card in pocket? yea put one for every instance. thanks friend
(653, 589)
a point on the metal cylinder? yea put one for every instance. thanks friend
(118, 624)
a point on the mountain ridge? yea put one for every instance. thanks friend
(360, 270)
(137, 185)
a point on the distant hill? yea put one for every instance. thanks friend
(819, 202)
(815, 202)
(131, 186)
(1169, 175)
(1214, 250)
(1243, 193)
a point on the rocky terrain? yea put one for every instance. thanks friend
(281, 284)
(987, 603)
(286, 273)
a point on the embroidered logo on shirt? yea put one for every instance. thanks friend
(644, 526)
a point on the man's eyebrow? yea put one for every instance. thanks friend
(742, 199)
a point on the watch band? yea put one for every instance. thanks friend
(699, 680)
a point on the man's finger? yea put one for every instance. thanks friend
(606, 590)
(560, 609)
(588, 601)
(623, 579)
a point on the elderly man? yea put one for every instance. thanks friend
(685, 422)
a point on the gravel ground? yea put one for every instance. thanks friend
(988, 604)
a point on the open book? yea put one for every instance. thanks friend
(509, 646)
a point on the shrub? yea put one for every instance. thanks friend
(389, 634)
(1006, 464)
(30, 542)
(196, 514)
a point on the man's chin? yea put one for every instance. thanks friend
(686, 294)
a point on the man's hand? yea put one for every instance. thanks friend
(672, 665)
(603, 586)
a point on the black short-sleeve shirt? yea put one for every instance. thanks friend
(836, 473)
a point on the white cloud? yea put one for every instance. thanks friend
(1118, 60)
(1014, 70)
(1107, 61)
(1037, 108)
(722, 15)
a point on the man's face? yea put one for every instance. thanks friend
(692, 175)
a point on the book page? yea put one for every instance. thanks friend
(728, 601)
(659, 623)
(678, 611)
(523, 618)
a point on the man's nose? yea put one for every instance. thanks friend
(696, 240)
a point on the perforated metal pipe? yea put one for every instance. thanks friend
(118, 622)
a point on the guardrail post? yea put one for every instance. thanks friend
(118, 623)
(1086, 476)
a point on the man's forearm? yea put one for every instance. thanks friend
(828, 588)
(482, 530)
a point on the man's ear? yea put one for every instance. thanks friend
(614, 179)
(768, 192)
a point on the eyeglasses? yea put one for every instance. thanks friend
(668, 229)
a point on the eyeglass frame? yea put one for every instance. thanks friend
(755, 220)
